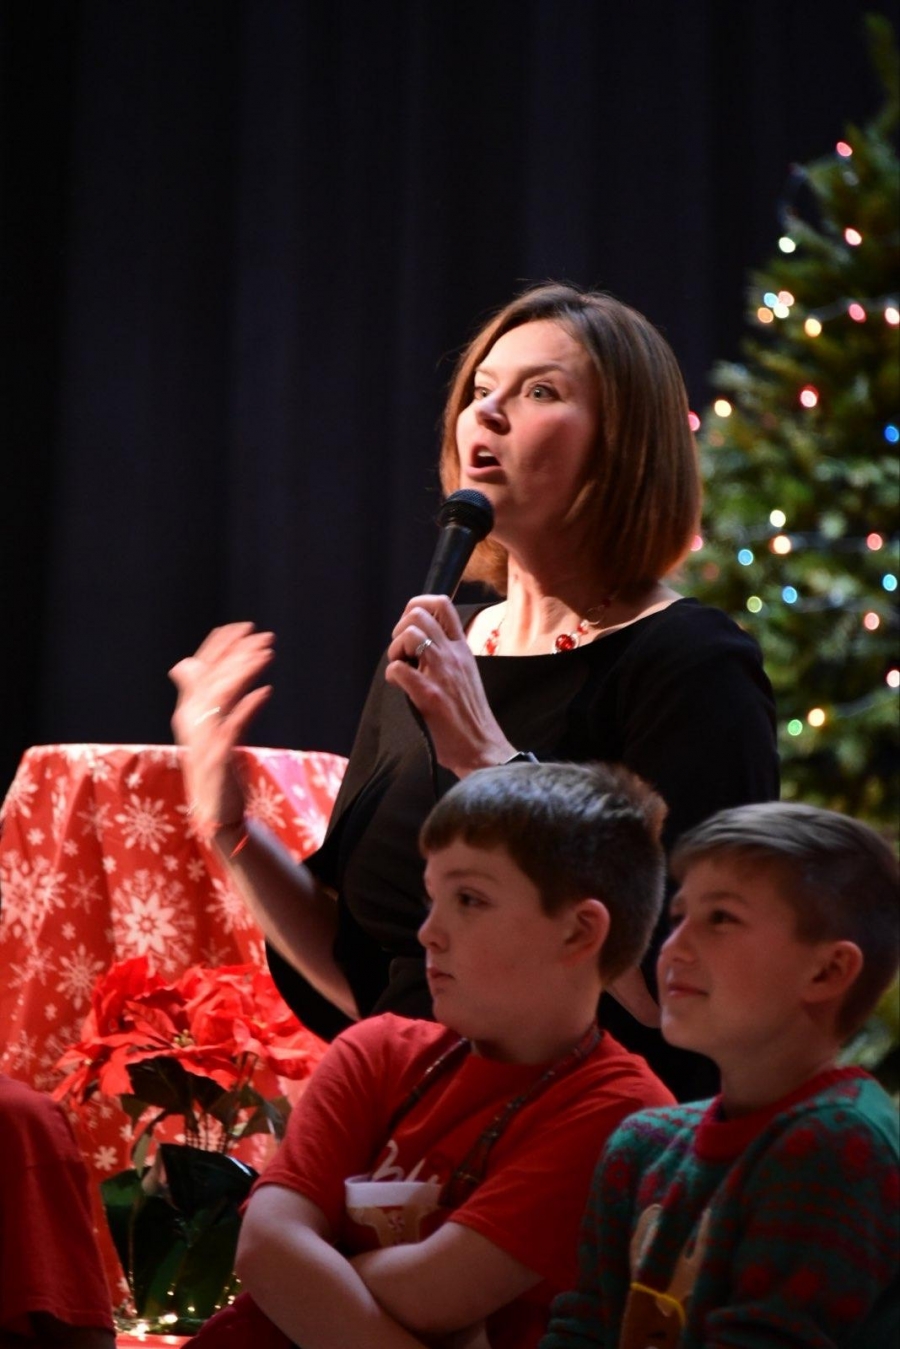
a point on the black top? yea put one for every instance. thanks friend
(680, 697)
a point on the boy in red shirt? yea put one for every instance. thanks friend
(52, 1287)
(430, 1187)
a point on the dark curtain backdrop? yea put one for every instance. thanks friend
(239, 246)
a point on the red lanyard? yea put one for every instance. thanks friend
(469, 1173)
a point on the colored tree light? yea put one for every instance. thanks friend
(816, 716)
(856, 312)
(809, 396)
(852, 236)
(844, 150)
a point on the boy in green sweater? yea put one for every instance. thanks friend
(769, 1216)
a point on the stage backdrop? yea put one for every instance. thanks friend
(239, 245)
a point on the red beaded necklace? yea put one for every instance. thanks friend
(565, 641)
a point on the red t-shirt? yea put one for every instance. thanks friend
(48, 1254)
(538, 1175)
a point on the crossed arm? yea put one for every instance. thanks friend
(435, 1292)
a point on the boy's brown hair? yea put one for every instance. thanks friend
(642, 503)
(840, 878)
(577, 831)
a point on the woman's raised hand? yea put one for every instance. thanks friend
(445, 686)
(216, 702)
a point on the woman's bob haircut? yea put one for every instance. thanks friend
(641, 508)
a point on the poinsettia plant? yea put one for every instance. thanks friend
(208, 1046)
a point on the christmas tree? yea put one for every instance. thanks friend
(800, 540)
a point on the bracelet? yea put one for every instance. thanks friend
(240, 845)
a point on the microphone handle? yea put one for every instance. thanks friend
(453, 550)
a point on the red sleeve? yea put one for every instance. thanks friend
(341, 1120)
(49, 1260)
(533, 1199)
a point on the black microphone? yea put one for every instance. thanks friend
(465, 518)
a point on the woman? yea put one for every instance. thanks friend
(569, 413)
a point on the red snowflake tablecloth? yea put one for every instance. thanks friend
(99, 861)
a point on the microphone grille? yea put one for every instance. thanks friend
(470, 509)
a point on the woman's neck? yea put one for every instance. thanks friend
(536, 614)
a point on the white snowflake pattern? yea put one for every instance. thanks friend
(70, 847)
(266, 803)
(68, 931)
(152, 917)
(95, 819)
(144, 824)
(196, 869)
(228, 907)
(30, 893)
(78, 973)
(84, 892)
(59, 805)
(18, 799)
(214, 955)
(105, 1159)
(134, 779)
(109, 865)
(22, 1052)
(50, 1010)
(36, 837)
(55, 1045)
(326, 771)
(257, 954)
(170, 863)
(35, 968)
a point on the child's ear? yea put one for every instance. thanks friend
(840, 964)
(586, 931)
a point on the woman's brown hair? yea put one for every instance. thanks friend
(642, 505)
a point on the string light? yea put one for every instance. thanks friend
(889, 582)
(852, 236)
(789, 595)
(696, 543)
(816, 717)
(856, 312)
(891, 433)
(892, 679)
(745, 557)
(874, 542)
(754, 604)
(778, 519)
(872, 621)
(693, 421)
(844, 150)
(786, 244)
(781, 544)
(764, 315)
(809, 396)
(722, 407)
(892, 315)
(795, 727)
(812, 327)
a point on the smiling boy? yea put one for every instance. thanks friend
(767, 1217)
(432, 1180)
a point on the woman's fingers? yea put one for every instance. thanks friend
(435, 608)
(216, 683)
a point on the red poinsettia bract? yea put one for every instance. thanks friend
(210, 1042)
